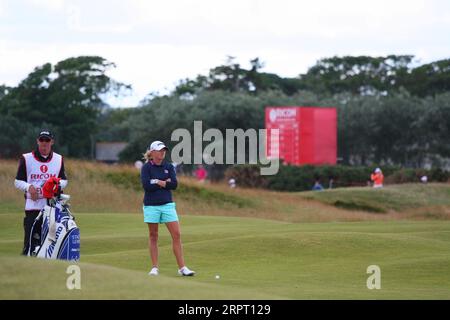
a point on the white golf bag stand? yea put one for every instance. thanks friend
(60, 235)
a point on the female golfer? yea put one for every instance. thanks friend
(158, 178)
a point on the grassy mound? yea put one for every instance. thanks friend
(397, 198)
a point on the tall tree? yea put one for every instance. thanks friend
(428, 79)
(67, 96)
(361, 75)
(233, 78)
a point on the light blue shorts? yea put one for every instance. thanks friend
(160, 214)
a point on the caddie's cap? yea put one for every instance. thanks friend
(45, 134)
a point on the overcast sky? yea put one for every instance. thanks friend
(156, 43)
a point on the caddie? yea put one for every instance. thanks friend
(35, 168)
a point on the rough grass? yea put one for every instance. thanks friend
(103, 188)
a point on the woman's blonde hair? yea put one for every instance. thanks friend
(147, 156)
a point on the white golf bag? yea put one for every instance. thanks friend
(60, 235)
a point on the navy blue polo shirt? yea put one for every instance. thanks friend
(154, 194)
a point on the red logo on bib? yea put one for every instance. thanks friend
(44, 168)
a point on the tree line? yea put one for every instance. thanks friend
(389, 111)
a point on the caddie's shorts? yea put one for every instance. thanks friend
(160, 214)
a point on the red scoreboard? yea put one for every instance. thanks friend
(307, 135)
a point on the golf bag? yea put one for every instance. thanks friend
(59, 234)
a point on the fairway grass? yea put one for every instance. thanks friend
(255, 258)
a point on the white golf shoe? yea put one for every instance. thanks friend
(154, 271)
(186, 272)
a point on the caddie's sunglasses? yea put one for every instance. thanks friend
(44, 139)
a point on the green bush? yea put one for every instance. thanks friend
(302, 178)
(439, 175)
(408, 175)
(403, 175)
(292, 178)
(246, 176)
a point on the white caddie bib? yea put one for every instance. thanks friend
(37, 173)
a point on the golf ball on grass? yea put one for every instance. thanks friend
(217, 276)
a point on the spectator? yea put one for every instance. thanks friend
(138, 165)
(201, 174)
(317, 186)
(330, 183)
(377, 178)
(232, 183)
